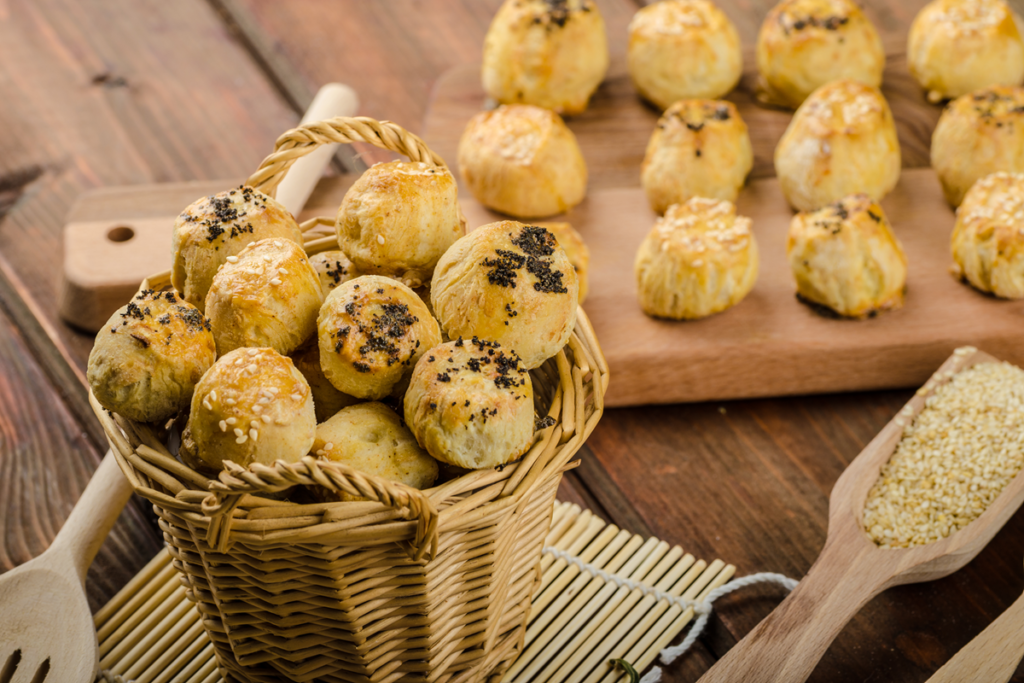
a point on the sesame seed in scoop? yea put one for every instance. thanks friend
(953, 460)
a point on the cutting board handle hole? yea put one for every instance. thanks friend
(120, 233)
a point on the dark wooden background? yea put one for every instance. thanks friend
(111, 92)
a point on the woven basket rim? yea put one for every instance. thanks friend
(576, 403)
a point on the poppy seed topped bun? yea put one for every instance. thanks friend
(511, 283)
(149, 356)
(470, 404)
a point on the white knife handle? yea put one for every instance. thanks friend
(334, 99)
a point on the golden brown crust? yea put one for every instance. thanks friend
(470, 404)
(253, 406)
(699, 259)
(326, 399)
(683, 49)
(988, 238)
(804, 44)
(976, 135)
(371, 332)
(218, 226)
(371, 438)
(575, 250)
(841, 141)
(398, 218)
(522, 161)
(510, 283)
(267, 295)
(549, 53)
(700, 148)
(149, 356)
(958, 46)
(845, 256)
(333, 267)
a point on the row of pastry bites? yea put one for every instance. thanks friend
(287, 341)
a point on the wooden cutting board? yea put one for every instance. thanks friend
(770, 344)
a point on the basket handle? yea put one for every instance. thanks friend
(298, 142)
(235, 481)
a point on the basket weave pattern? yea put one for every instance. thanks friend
(409, 585)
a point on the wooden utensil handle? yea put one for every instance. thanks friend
(786, 646)
(93, 515)
(994, 653)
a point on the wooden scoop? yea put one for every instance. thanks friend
(994, 653)
(46, 627)
(786, 646)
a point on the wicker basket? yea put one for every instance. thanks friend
(430, 585)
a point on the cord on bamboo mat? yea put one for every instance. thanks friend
(701, 608)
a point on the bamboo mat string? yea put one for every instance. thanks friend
(702, 608)
(671, 654)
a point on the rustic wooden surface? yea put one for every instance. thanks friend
(112, 92)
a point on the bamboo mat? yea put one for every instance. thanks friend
(150, 633)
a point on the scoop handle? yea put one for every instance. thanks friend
(333, 99)
(93, 515)
(994, 653)
(787, 645)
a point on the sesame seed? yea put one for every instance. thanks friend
(258, 409)
(264, 399)
(272, 390)
(238, 432)
(283, 271)
(254, 424)
(275, 281)
(329, 445)
(297, 397)
(254, 435)
(232, 259)
(206, 404)
(231, 420)
(223, 426)
(252, 353)
(953, 459)
(252, 368)
(239, 361)
(265, 418)
(321, 452)
(242, 439)
(267, 259)
(230, 401)
(277, 243)
(380, 239)
(213, 395)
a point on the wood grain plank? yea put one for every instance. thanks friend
(113, 93)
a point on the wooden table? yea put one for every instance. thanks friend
(111, 92)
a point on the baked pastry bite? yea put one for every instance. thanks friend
(253, 406)
(988, 238)
(549, 53)
(333, 267)
(470, 404)
(976, 135)
(522, 161)
(958, 46)
(221, 225)
(326, 399)
(683, 49)
(575, 250)
(804, 44)
(398, 218)
(700, 148)
(149, 356)
(267, 295)
(371, 332)
(841, 141)
(699, 259)
(371, 438)
(511, 283)
(845, 257)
